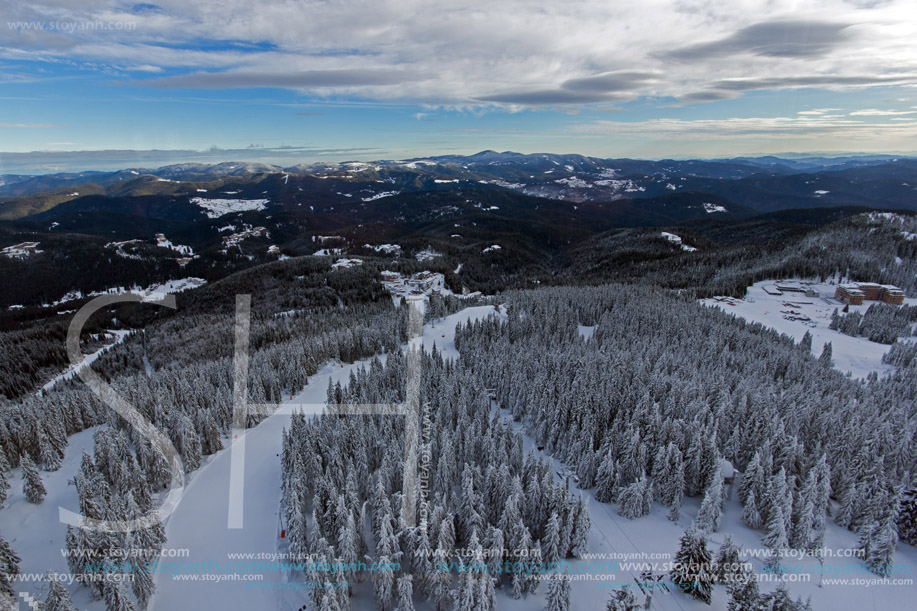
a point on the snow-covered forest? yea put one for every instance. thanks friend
(552, 420)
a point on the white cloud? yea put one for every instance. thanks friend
(874, 112)
(759, 135)
(514, 53)
(817, 111)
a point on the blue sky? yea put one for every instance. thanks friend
(302, 81)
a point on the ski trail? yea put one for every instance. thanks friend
(199, 523)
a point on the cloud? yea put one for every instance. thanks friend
(873, 112)
(58, 161)
(476, 53)
(547, 97)
(784, 39)
(710, 95)
(817, 111)
(308, 79)
(595, 89)
(817, 80)
(611, 82)
(762, 128)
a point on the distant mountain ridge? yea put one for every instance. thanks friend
(568, 177)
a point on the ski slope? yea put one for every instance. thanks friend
(199, 523)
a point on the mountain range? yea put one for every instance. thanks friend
(98, 230)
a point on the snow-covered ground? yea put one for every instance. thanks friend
(35, 531)
(855, 355)
(389, 249)
(163, 242)
(674, 239)
(381, 195)
(154, 292)
(21, 251)
(585, 331)
(215, 208)
(158, 291)
(711, 208)
(346, 263)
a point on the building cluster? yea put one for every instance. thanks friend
(857, 292)
(421, 283)
(235, 239)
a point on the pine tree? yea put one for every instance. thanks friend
(9, 565)
(347, 541)
(692, 572)
(405, 594)
(518, 586)
(606, 476)
(116, 596)
(805, 344)
(439, 579)
(744, 595)
(32, 486)
(4, 485)
(775, 538)
(728, 562)
(532, 576)
(669, 475)
(623, 600)
(466, 593)
(558, 595)
(383, 584)
(58, 598)
(907, 516)
(750, 515)
(581, 524)
(550, 544)
(826, 356)
(636, 500)
(674, 511)
(880, 550)
(711, 508)
(779, 600)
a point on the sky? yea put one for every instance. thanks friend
(101, 84)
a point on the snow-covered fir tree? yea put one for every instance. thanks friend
(9, 566)
(692, 571)
(32, 486)
(558, 593)
(58, 598)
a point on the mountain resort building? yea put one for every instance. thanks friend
(856, 293)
